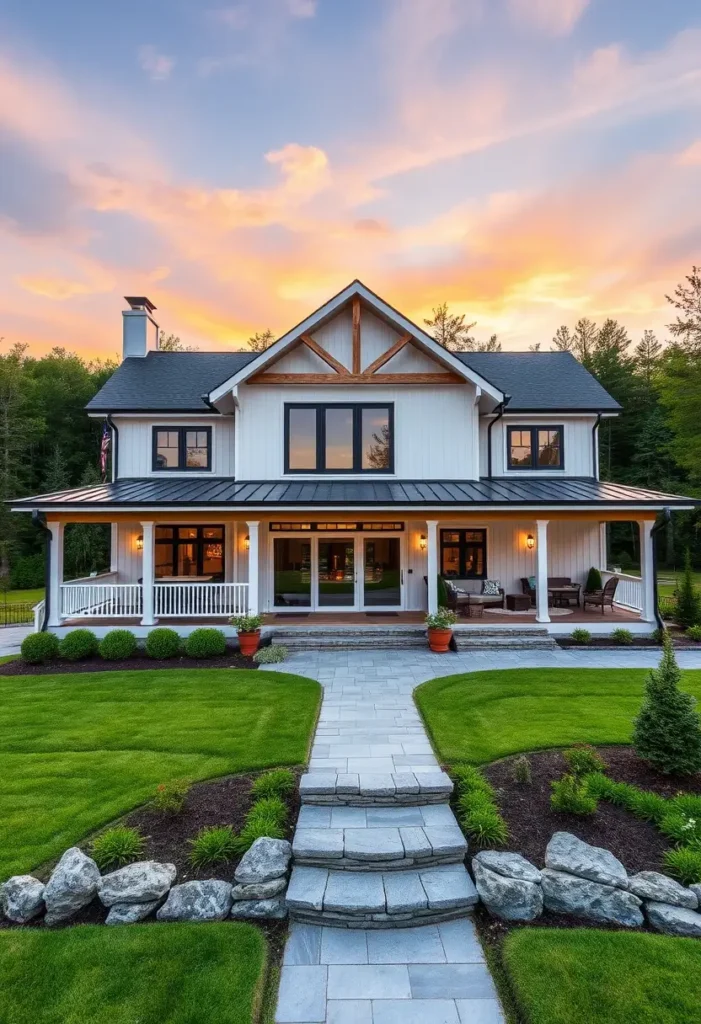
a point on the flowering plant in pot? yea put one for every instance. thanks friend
(248, 629)
(440, 629)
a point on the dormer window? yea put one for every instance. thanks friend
(535, 448)
(184, 449)
(339, 438)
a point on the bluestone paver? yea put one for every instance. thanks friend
(302, 996)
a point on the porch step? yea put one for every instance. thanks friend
(394, 899)
(401, 789)
(471, 638)
(310, 638)
(378, 838)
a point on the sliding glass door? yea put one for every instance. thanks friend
(382, 573)
(292, 573)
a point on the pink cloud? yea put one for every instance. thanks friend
(553, 17)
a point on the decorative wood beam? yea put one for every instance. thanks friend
(356, 335)
(386, 356)
(356, 378)
(316, 348)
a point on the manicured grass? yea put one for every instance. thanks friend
(150, 974)
(19, 596)
(568, 976)
(481, 716)
(78, 750)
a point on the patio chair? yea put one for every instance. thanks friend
(527, 589)
(602, 598)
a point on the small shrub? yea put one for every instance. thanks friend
(215, 845)
(77, 645)
(681, 828)
(667, 732)
(486, 826)
(270, 655)
(694, 633)
(205, 643)
(444, 618)
(522, 770)
(275, 783)
(572, 796)
(648, 806)
(117, 645)
(117, 846)
(581, 636)
(599, 785)
(477, 810)
(469, 779)
(163, 643)
(170, 796)
(686, 803)
(38, 648)
(622, 636)
(247, 623)
(687, 610)
(594, 581)
(658, 635)
(620, 794)
(684, 864)
(583, 759)
(267, 817)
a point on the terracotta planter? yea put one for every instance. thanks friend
(439, 640)
(248, 643)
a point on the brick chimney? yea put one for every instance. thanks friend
(140, 329)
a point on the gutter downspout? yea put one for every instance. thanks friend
(664, 521)
(39, 520)
(595, 447)
(115, 445)
(501, 409)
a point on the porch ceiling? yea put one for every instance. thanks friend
(267, 495)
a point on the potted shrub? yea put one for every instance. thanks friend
(248, 629)
(440, 629)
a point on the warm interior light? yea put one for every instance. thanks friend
(246, 542)
(530, 541)
(422, 542)
(140, 542)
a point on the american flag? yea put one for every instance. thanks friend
(104, 449)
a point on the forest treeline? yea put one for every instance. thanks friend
(47, 442)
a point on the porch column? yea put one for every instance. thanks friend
(541, 590)
(647, 568)
(148, 570)
(253, 568)
(432, 567)
(55, 572)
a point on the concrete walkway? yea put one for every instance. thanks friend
(434, 974)
(11, 638)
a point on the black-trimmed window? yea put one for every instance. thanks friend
(190, 551)
(339, 438)
(535, 447)
(464, 554)
(182, 448)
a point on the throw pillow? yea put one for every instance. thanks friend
(491, 588)
(531, 582)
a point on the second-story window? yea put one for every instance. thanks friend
(182, 448)
(339, 438)
(535, 448)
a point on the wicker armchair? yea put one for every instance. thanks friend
(602, 598)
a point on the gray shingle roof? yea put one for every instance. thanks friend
(584, 492)
(176, 381)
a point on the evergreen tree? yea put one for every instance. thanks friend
(563, 340)
(261, 340)
(667, 731)
(687, 610)
(687, 300)
(450, 330)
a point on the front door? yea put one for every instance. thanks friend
(382, 574)
(336, 578)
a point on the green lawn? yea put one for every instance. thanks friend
(78, 750)
(572, 976)
(481, 716)
(143, 974)
(18, 596)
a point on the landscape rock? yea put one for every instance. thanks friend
(511, 899)
(22, 898)
(673, 920)
(511, 865)
(71, 887)
(130, 913)
(261, 891)
(197, 901)
(271, 909)
(143, 882)
(265, 860)
(651, 885)
(565, 894)
(696, 889)
(566, 852)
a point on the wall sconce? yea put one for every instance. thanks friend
(246, 543)
(422, 541)
(140, 542)
(530, 541)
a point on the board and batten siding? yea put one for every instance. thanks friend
(577, 447)
(136, 444)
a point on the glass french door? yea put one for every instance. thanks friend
(382, 573)
(292, 572)
(336, 574)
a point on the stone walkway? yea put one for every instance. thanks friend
(11, 638)
(369, 725)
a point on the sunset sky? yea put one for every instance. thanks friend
(527, 161)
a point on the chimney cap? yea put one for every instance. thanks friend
(140, 302)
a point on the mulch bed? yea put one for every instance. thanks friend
(526, 808)
(232, 659)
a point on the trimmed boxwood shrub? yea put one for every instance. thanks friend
(39, 647)
(117, 645)
(205, 643)
(81, 643)
(163, 643)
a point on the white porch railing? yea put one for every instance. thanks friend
(38, 610)
(629, 592)
(101, 600)
(199, 600)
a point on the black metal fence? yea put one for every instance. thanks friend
(17, 613)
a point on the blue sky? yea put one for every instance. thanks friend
(528, 161)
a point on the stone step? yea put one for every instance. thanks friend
(511, 639)
(392, 899)
(388, 637)
(378, 838)
(363, 790)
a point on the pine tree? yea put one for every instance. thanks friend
(450, 330)
(261, 340)
(687, 611)
(667, 732)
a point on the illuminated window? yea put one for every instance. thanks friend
(339, 439)
(535, 448)
(182, 448)
(464, 554)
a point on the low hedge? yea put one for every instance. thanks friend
(39, 647)
(205, 643)
(117, 645)
(77, 645)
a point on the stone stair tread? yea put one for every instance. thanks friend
(378, 845)
(383, 788)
